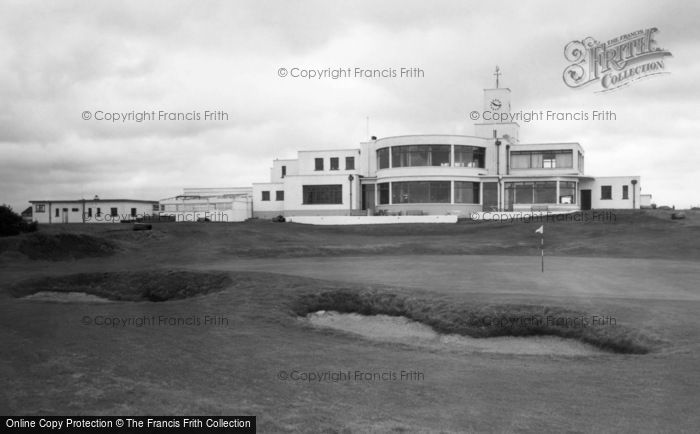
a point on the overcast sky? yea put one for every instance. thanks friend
(60, 59)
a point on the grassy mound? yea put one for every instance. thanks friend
(130, 286)
(64, 246)
(481, 321)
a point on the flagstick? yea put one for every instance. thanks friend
(542, 247)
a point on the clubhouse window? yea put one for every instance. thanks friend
(383, 158)
(625, 192)
(466, 192)
(335, 163)
(349, 163)
(549, 161)
(279, 195)
(541, 160)
(40, 207)
(469, 156)
(531, 192)
(89, 212)
(567, 192)
(580, 162)
(605, 192)
(113, 212)
(74, 210)
(133, 212)
(265, 195)
(420, 155)
(318, 163)
(383, 193)
(420, 192)
(322, 194)
(155, 208)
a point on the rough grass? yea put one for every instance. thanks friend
(631, 234)
(60, 246)
(130, 286)
(480, 321)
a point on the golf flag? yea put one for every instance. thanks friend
(541, 231)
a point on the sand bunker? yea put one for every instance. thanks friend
(403, 330)
(66, 297)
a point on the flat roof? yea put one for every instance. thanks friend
(325, 150)
(93, 200)
(427, 135)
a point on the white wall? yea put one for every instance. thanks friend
(307, 161)
(616, 182)
(370, 220)
(273, 205)
(276, 170)
(294, 201)
(74, 213)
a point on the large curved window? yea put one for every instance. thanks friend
(420, 192)
(469, 156)
(466, 192)
(383, 158)
(383, 193)
(420, 155)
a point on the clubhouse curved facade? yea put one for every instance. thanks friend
(442, 174)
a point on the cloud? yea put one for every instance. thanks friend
(62, 59)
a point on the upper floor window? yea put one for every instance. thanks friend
(349, 163)
(335, 163)
(580, 162)
(469, 156)
(541, 159)
(279, 195)
(625, 191)
(549, 161)
(605, 192)
(40, 207)
(420, 155)
(383, 158)
(318, 162)
(284, 171)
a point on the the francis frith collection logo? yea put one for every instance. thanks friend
(615, 63)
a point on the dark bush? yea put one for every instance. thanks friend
(12, 223)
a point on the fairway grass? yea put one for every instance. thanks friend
(226, 336)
